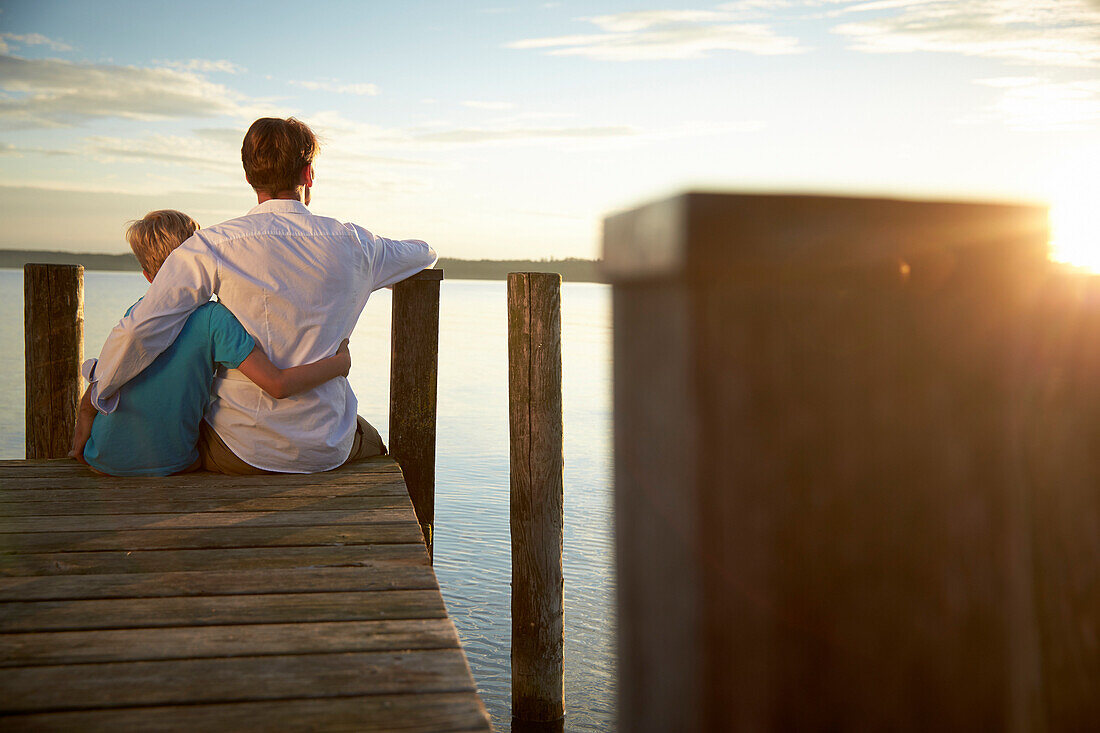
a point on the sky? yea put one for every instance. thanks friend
(511, 129)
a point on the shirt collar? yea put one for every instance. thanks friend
(280, 206)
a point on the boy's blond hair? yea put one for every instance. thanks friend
(155, 235)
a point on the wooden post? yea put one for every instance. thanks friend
(535, 422)
(821, 509)
(414, 362)
(53, 320)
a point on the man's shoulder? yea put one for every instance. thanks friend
(274, 224)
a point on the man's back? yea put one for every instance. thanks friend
(297, 283)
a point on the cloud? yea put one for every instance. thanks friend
(201, 152)
(366, 90)
(474, 104)
(666, 34)
(204, 66)
(56, 93)
(16, 151)
(486, 135)
(1044, 32)
(1031, 104)
(1007, 82)
(31, 39)
(344, 138)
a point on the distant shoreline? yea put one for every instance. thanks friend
(571, 270)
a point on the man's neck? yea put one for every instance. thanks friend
(262, 196)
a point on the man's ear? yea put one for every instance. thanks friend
(306, 178)
(147, 275)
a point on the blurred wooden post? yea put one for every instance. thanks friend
(822, 517)
(414, 363)
(535, 421)
(53, 320)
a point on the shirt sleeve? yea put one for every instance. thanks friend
(393, 260)
(186, 280)
(230, 344)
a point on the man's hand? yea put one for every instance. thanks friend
(343, 356)
(84, 418)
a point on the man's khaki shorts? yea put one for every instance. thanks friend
(217, 457)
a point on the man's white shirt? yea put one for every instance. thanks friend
(297, 283)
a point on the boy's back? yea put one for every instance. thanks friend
(155, 429)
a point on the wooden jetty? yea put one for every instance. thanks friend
(206, 602)
(209, 602)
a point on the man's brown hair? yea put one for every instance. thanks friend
(156, 235)
(274, 153)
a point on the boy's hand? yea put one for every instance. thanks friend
(343, 357)
(84, 417)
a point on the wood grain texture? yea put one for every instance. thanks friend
(537, 519)
(1057, 416)
(388, 576)
(117, 505)
(184, 539)
(169, 520)
(319, 611)
(658, 579)
(188, 642)
(426, 713)
(851, 518)
(367, 471)
(171, 561)
(53, 322)
(229, 679)
(414, 363)
(270, 608)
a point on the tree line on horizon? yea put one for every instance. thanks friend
(571, 269)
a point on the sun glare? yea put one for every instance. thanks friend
(1075, 230)
(1075, 216)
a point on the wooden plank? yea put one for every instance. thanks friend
(386, 576)
(73, 475)
(53, 328)
(124, 684)
(423, 713)
(133, 645)
(167, 520)
(162, 561)
(120, 506)
(270, 608)
(66, 467)
(31, 489)
(236, 536)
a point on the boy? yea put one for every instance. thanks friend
(155, 429)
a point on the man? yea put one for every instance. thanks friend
(297, 283)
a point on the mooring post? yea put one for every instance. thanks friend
(820, 499)
(414, 364)
(53, 323)
(535, 422)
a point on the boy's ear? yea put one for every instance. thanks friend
(147, 275)
(306, 178)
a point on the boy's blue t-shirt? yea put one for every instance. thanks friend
(154, 430)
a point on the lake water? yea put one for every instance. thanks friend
(472, 545)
